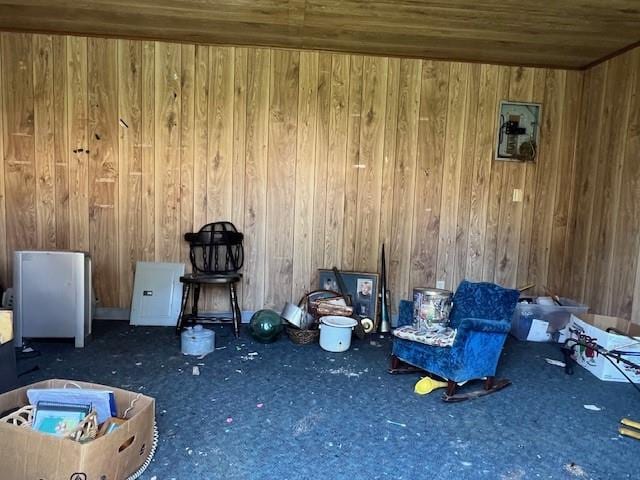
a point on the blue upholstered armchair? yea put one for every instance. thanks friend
(481, 315)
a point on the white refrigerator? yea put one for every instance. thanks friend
(52, 295)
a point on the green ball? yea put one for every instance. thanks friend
(265, 326)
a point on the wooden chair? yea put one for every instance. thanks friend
(216, 254)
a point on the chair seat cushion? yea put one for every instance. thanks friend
(435, 338)
(214, 278)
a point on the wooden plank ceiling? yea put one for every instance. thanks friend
(567, 34)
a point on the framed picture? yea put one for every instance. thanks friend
(361, 286)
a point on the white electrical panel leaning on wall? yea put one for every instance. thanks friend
(157, 294)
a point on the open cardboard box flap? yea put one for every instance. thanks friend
(30, 455)
(603, 322)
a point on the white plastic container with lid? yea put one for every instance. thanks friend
(335, 333)
(197, 341)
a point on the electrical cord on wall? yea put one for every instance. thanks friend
(503, 124)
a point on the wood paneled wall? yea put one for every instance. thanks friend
(605, 263)
(118, 147)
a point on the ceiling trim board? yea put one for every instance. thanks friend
(611, 55)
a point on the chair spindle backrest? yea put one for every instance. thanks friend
(216, 249)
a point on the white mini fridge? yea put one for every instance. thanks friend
(52, 295)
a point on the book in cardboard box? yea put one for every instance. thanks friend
(592, 329)
(26, 454)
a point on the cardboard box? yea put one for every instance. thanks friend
(26, 454)
(589, 328)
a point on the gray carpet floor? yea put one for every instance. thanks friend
(298, 412)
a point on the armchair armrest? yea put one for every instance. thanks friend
(483, 325)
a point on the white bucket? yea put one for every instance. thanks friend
(197, 341)
(335, 333)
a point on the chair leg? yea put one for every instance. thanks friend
(451, 387)
(186, 288)
(236, 314)
(489, 382)
(196, 299)
(398, 366)
(396, 363)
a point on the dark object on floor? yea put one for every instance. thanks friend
(482, 316)
(8, 375)
(265, 326)
(216, 255)
(29, 370)
(385, 325)
(21, 355)
(26, 354)
(567, 352)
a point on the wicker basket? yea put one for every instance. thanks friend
(21, 418)
(303, 337)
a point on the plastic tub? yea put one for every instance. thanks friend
(335, 333)
(552, 318)
(197, 341)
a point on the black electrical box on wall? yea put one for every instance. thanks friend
(518, 131)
